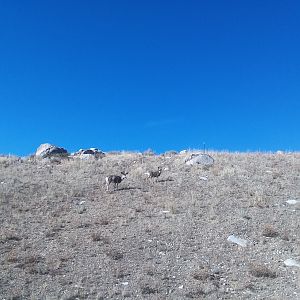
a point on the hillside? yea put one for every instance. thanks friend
(63, 236)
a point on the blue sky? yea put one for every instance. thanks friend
(165, 75)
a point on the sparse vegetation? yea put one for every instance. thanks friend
(270, 231)
(259, 270)
(62, 236)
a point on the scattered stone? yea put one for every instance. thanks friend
(292, 202)
(292, 263)
(237, 240)
(216, 270)
(91, 153)
(48, 150)
(81, 209)
(201, 159)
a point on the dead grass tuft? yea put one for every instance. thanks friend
(147, 290)
(97, 237)
(115, 255)
(270, 231)
(259, 270)
(201, 274)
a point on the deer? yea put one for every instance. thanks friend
(115, 179)
(154, 174)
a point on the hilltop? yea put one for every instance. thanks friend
(63, 236)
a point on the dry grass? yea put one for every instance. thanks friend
(259, 270)
(270, 231)
(62, 236)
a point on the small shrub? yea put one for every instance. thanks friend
(115, 255)
(97, 237)
(269, 231)
(103, 222)
(197, 294)
(149, 152)
(201, 274)
(146, 290)
(259, 270)
(285, 236)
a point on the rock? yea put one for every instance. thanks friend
(92, 153)
(292, 263)
(81, 209)
(237, 240)
(215, 270)
(292, 202)
(201, 159)
(48, 150)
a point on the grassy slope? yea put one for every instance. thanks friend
(63, 236)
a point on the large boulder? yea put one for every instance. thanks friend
(201, 159)
(48, 150)
(91, 153)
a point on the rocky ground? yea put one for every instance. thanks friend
(63, 236)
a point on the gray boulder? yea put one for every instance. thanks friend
(201, 159)
(92, 153)
(48, 150)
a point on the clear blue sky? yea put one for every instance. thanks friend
(166, 75)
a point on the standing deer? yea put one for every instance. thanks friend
(115, 179)
(154, 174)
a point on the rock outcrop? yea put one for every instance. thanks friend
(48, 150)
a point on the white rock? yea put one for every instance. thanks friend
(87, 154)
(201, 159)
(42, 148)
(47, 150)
(237, 240)
(290, 262)
(292, 202)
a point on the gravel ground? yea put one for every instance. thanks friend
(63, 236)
